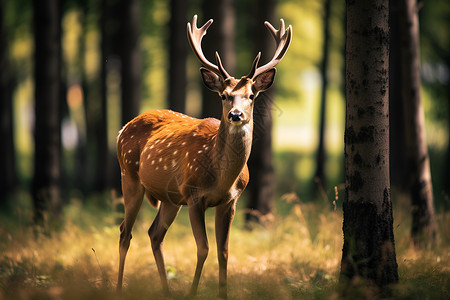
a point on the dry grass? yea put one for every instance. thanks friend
(297, 257)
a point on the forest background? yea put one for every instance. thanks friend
(302, 209)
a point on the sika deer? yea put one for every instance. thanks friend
(178, 160)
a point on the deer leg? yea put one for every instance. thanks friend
(166, 214)
(224, 217)
(133, 194)
(197, 218)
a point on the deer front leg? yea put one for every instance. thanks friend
(166, 214)
(197, 218)
(224, 217)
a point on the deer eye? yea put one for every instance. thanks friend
(252, 97)
(224, 97)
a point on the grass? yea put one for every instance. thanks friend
(296, 257)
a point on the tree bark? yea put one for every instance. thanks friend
(221, 39)
(47, 130)
(369, 248)
(261, 187)
(177, 55)
(423, 229)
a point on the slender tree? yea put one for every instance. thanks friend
(369, 248)
(47, 130)
(111, 40)
(320, 159)
(130, 56)
(261, 187)
(397, 148)
(177, 56)
(222, 11)
(420, 186)
(8, 179)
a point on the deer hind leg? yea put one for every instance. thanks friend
(164, 218)
(133, 194)
(197, 218)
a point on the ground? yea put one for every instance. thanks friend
(296, 256)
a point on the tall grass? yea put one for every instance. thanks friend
(296, 256)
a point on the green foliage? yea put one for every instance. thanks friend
(297, 256)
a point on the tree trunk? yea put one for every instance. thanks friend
(101, 125)
(111, 40)
(421, 191)
(8, 179)
(320, 174)
(130, 60)
(261, 187)
(47, 130)
(177, 56)
(221, 40)
(397, 147)
(369, 248)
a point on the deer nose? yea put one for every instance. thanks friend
(235, 116)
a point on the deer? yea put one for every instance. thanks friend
(178, 160)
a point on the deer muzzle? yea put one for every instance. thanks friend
(236, 117)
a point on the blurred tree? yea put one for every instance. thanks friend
(177, 56)
(110, 11)
(369, 249)
(8, 180)
(130, 56)
(320, 158)
(261, 187)
(222, 41)
(82, 174)
(420, 186)
(47, 130)
(397, 148)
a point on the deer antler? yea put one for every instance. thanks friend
(195, 36)
(283, 39)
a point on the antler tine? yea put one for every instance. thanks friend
(254, 65)
(282, 39)
(195, 36)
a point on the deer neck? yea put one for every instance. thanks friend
(231, 151)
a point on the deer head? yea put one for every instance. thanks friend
(238, 95)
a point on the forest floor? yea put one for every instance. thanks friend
(297, 256)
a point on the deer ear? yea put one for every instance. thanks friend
(212, 81)
(264, 80)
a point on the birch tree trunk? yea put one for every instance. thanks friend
(369, 248)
